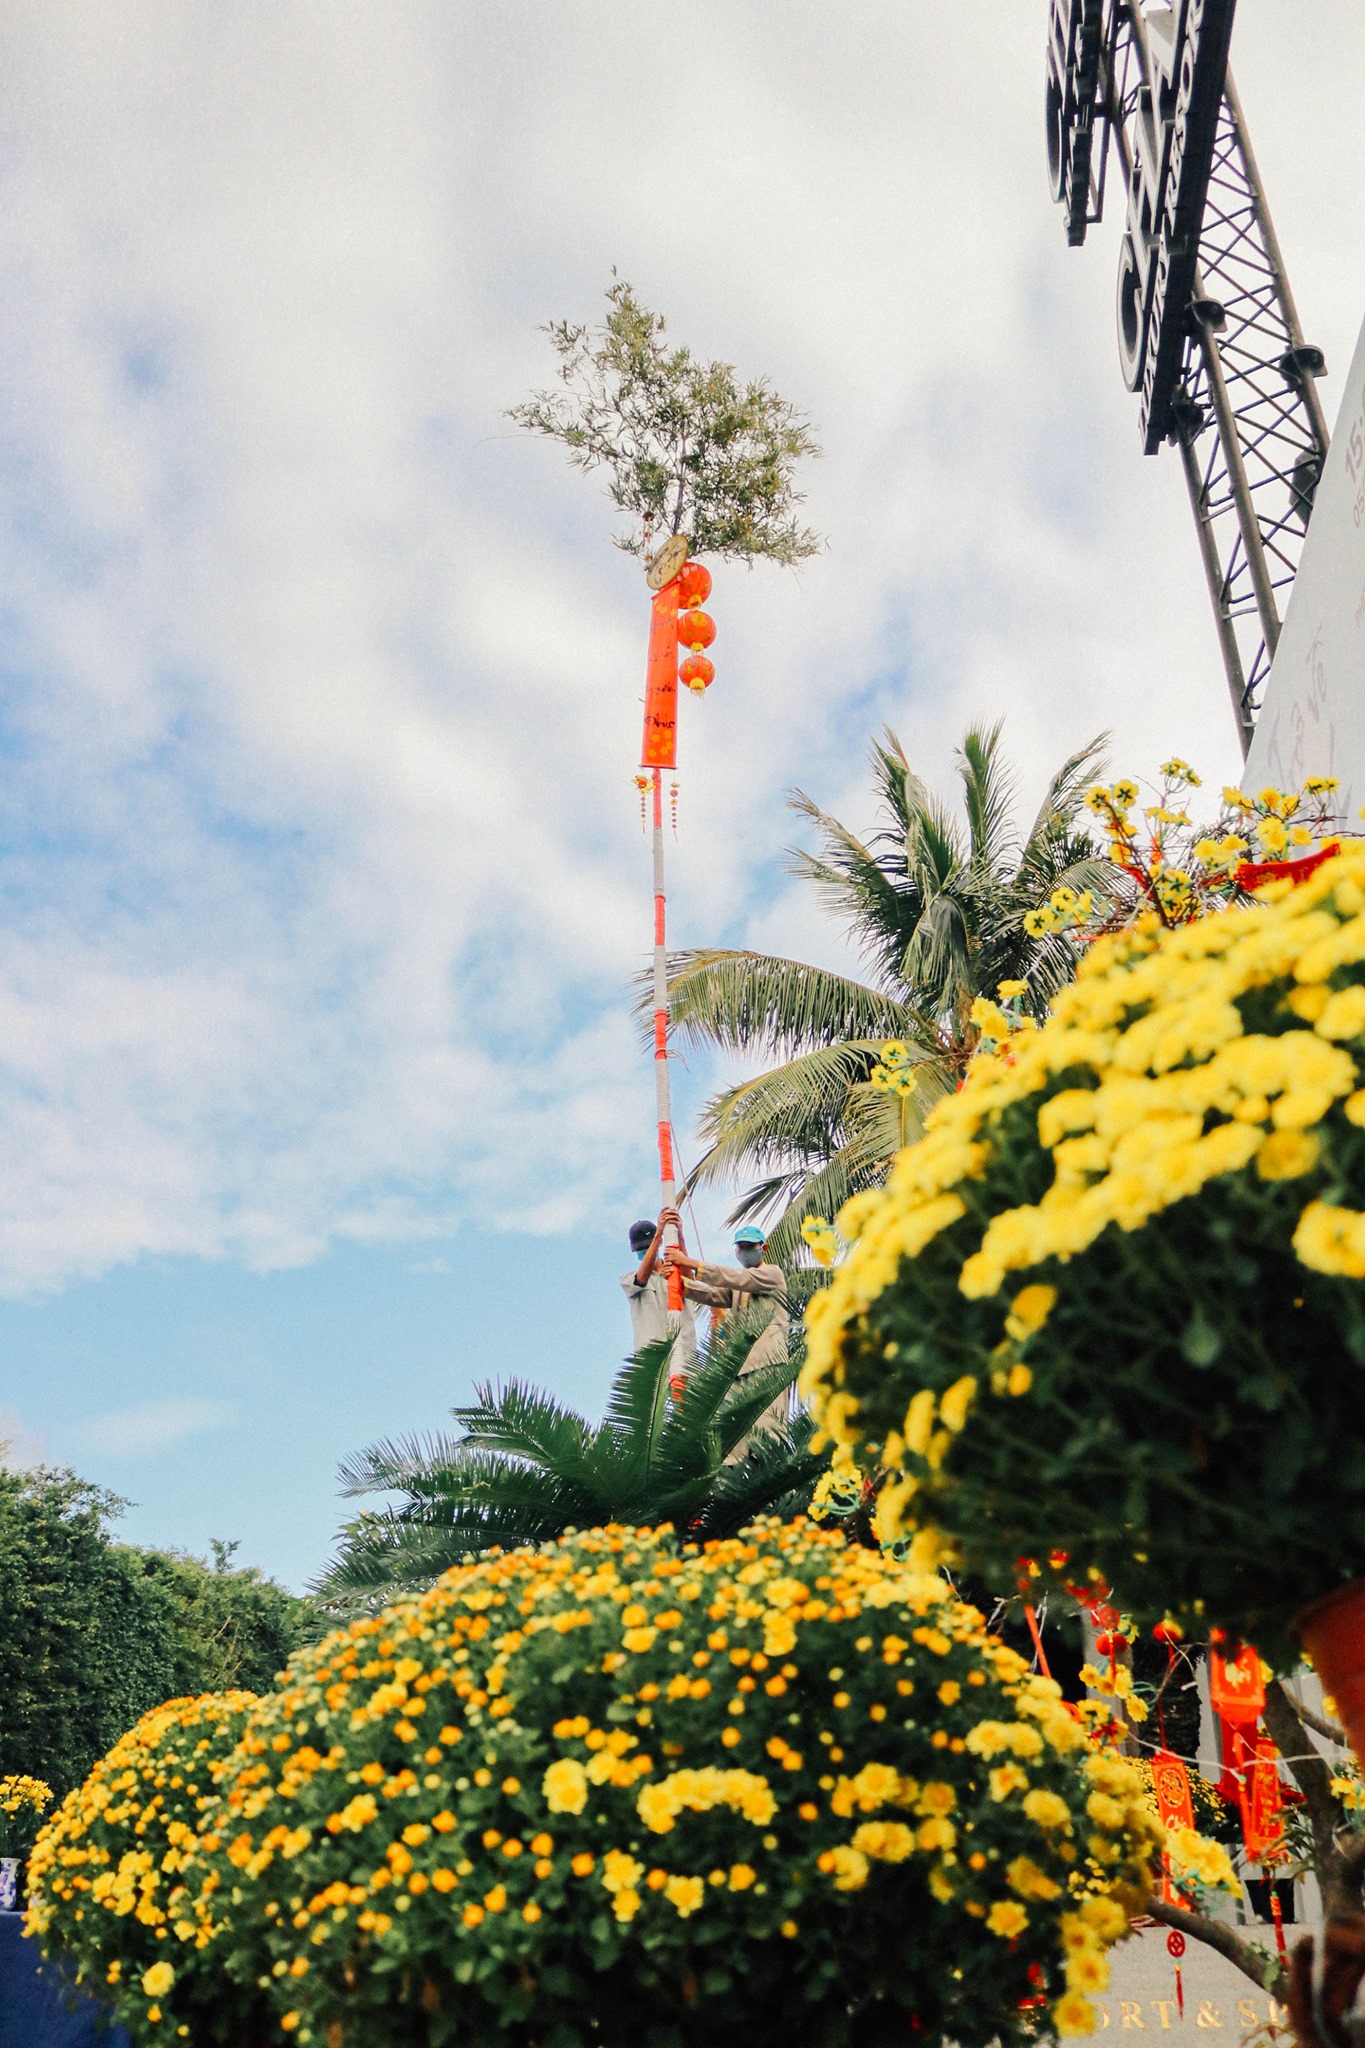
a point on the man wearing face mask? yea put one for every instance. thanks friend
(646, 1292)
(732, 1287)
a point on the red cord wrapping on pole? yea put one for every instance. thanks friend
(667, 1177)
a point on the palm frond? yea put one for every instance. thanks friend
(877, 1126)
(855, 883)
(988, 795)
(396, 1464)
(391, 1552)
(777, 1474)
(523, 1422)
(1066, 790)
(750, 1395)
(755, 1002)
(686, 1436)
(788, 1112)
(937, 962)
(625, 1447)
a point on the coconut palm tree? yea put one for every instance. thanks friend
(524, 1469)
(936, 906)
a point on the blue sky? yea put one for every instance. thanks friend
(321, 881)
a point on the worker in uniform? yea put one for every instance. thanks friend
(646, 1291)
(726, 1288)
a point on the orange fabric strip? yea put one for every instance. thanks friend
(659, 748)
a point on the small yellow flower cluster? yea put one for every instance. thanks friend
(822, 1238)
(1193, 1856)
(1350, 1791)
(1065, 910)
(894, 1073)
(700, 1791)
(18, 1793)
(23, 1800)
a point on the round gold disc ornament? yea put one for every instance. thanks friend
(664, 566)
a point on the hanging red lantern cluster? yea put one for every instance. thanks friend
(696, 628)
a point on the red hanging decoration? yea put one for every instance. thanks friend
(696, 630)
(1261, 1802)
(1237, 1696)
(1175, 1949)
(694, 584)
(1175, 1804)
(1236, 1688)
(698, 673)
(1252, 874)
(1171, 1782)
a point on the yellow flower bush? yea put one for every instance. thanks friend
(1111, 1303)
(23, 1801)
(777, 1788)
(108, 1893)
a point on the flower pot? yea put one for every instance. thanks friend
(1332, 1631)
(9, 1882)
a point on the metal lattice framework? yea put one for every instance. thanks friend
(1248, 420)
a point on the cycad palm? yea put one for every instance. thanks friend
(524, 1469)
(935, 906)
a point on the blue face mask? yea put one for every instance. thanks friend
(749, 1254)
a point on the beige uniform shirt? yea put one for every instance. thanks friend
(651, 1319)
(731, 1287)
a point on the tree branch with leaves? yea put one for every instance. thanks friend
(688, 447)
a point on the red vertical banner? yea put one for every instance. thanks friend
(1171, 1783)
(1174, 1803)
(1261, 1803)
(659, 748)
(1237, 1696)
(1236, 1688)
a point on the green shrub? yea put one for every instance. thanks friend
(93, 1633)
(86, 1643)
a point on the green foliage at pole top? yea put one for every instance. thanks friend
(689, 449)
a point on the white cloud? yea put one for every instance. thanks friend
(21, 1448)
(320, 871)
(146, 1427)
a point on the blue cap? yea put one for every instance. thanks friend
(749, 1235)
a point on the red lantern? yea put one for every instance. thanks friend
(696, 630)
(698, 673)
(1106, 1645)
(694, 584)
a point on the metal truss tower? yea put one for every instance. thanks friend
(1208, 331)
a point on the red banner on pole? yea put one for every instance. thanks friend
(1175, 1804)
(1236, 1688)
(659, 748)
(1261, 1803)
(1171, 1783)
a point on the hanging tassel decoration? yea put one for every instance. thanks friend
(1175, 1949)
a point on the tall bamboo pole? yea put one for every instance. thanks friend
(662, 1100)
